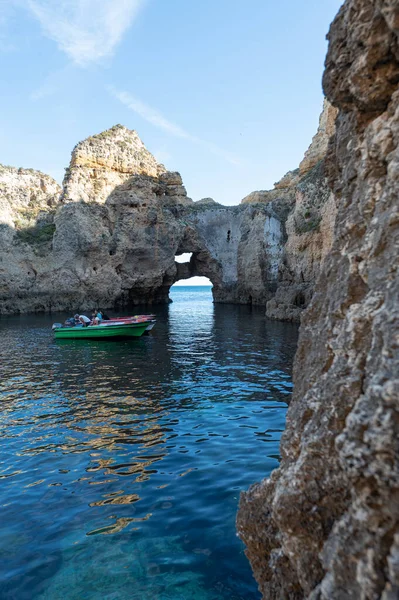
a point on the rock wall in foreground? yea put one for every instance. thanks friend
(325, 525)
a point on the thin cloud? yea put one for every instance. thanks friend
(154, 117)
(150, 114)
(53, 83)
(86, 30)
(44, 90)
(6, 14)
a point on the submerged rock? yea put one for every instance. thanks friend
(325, 525)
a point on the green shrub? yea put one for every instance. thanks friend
(37, 235)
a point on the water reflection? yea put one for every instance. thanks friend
(126, 459)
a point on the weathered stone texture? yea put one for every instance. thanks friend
(309, 226)
(104, 161)
(116, 246)
(113, 239)
(24, 193)
(28, 201)
(309, 229)
(244, 245)
(307, 199)
(318, 148)
(325, 525)
(285, 194)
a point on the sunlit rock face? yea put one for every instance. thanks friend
(309, 228)
(325, 525)
(104, 161)
(123, 218)
(113, 238)
(306, 195)
(28, 202)
(318, 148)
(24, 193)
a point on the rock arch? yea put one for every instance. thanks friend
(119, 223)
(201, 263)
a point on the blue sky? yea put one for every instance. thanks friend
(226, 92)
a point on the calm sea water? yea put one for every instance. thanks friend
(121, 463)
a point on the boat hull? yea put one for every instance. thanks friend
(99, 332)
(150, 323)
(134, 319)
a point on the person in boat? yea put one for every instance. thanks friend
(82, 319)
(100, 314)
(70, 322)
(98, 317)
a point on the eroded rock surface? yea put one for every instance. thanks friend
(123, 217)
(325, 525)
(318, 148)
(24, 193)
(113, 239)
(309, 229)
(104, 161)
(311, 205)
(244, 245)
(28, 202)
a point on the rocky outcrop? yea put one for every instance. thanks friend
(122, 220)
(307, 197)
(325, 525)
(318, 148)
(104, 161)
(28, 202)
(24, 194)
(238, 248)
(286, 195)
(309, 229)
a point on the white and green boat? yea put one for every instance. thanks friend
(122, 330)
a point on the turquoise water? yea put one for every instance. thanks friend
(121, 463)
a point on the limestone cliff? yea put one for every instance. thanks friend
(238, 247)
(24, 193)
(325, 525)
(122, 220)
(309, 230)
(318, 147)
(28, 201)
(104, 161)
(309, 227)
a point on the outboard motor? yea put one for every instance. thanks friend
(56, 325)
